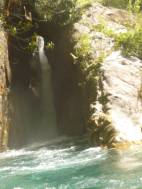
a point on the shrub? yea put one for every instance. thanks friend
(131, 43)
(115, 3)
(61, 12)
(132, 5)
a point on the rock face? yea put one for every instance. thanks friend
(4, 91)
(26, 79)
(93, 82)
(122, 83)
(116, 83)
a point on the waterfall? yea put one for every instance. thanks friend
(47, 99)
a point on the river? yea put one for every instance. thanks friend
(69, 163)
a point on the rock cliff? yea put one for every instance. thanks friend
(97, 88)
(4, 90)
(114, 93)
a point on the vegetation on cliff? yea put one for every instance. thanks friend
(122, 29)
(27, 17)
(89, 41)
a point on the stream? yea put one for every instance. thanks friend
(69, 163)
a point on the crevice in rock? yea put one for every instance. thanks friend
(69, 101)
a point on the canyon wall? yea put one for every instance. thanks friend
(5, 77)
(96, 87)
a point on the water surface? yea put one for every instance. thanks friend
(64, 164)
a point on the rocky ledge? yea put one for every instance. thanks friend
(116, 108)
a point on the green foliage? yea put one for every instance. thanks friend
(131, 5)
(83, 3)
(61, 12)
(115, 3)
(83, 48)
(20, 28)
(58, 12)
(83, 57)
(1, 5)
(24, 26)
(134, 5)
(32, 44)
(131, 43)
(102, 27)
(50, 45)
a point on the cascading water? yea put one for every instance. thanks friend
(66, 163)
(47, 99)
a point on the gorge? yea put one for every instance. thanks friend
(86, 73)
(70, 94)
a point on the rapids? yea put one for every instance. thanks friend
(69, 163)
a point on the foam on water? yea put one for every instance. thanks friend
(68, 163)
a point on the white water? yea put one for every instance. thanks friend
(69, 163)
(47, 99)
